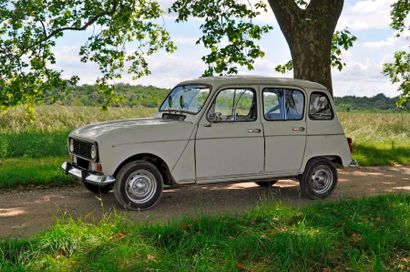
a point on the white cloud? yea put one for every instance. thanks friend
(379, 44)
(362, 78)
(366, 14)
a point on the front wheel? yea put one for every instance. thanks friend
(319, 179)
(138, 186)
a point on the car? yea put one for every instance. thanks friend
(216, 130)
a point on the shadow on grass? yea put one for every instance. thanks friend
(381, 154)
(365, 234)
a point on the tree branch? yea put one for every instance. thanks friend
(73, 28)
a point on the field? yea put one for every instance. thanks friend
(38, 147)
(370, 234)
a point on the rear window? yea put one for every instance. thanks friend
(282, 104)
(320, 107)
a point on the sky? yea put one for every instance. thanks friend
(367, 19)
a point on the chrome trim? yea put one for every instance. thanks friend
(86, 176)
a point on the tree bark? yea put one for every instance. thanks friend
(309, 33)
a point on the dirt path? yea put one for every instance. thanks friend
(25, 212)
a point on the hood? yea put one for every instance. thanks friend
(122, 127)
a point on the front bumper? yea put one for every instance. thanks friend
(86, 176)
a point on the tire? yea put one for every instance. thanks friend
(139, 185)
(266, 183)
(319, 179)
(96, 189)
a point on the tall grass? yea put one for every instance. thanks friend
(370, 234)
(62, 118)
(378, 138)
(20, 136)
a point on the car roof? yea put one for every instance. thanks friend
(217, 82)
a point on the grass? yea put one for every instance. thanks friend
(371, 234)
(378, 138)
(39, 171)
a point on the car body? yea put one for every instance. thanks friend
(216, 129)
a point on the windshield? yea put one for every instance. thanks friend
(186, 98)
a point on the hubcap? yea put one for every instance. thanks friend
(140, 186)
(321, 179)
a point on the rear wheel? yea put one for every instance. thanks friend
(319, 179)
(268, 183)
(96, 189)
(139, 185)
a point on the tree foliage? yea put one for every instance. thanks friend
(29, 30)
(398, 71)
(399, 12)
(122, 33)
(228, 32)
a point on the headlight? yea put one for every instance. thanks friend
(93, 152)
(71, 145)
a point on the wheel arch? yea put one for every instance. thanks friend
(335, 159)
(157, 161)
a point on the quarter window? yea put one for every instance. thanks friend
(320, 107)
(283, 104)
(233, 105)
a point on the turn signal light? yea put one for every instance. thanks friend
(98, 167)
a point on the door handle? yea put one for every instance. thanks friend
(300, 129)
(254, 130)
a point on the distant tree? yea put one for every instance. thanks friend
(398, 71)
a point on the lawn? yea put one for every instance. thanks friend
(371, 234)
(378, 139)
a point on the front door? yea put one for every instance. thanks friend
(285, 129)
(229, 142)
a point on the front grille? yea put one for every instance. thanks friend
(84, 164)
(82, 149)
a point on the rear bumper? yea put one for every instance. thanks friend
(86, 176)
(353, 163)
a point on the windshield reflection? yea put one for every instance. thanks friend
(186, 98)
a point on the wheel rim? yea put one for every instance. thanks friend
(140, 186)
(321, 179)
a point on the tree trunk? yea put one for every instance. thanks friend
(309, 33)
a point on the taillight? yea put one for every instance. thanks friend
(350, 142)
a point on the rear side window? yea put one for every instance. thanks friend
(283, 104)
(320, 107)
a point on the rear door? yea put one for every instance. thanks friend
(285, 129)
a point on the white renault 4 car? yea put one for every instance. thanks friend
(214, 130)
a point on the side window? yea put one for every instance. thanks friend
(283, 104)
(320, 107)
(273, 104)
(294, 105)
(233, 105)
